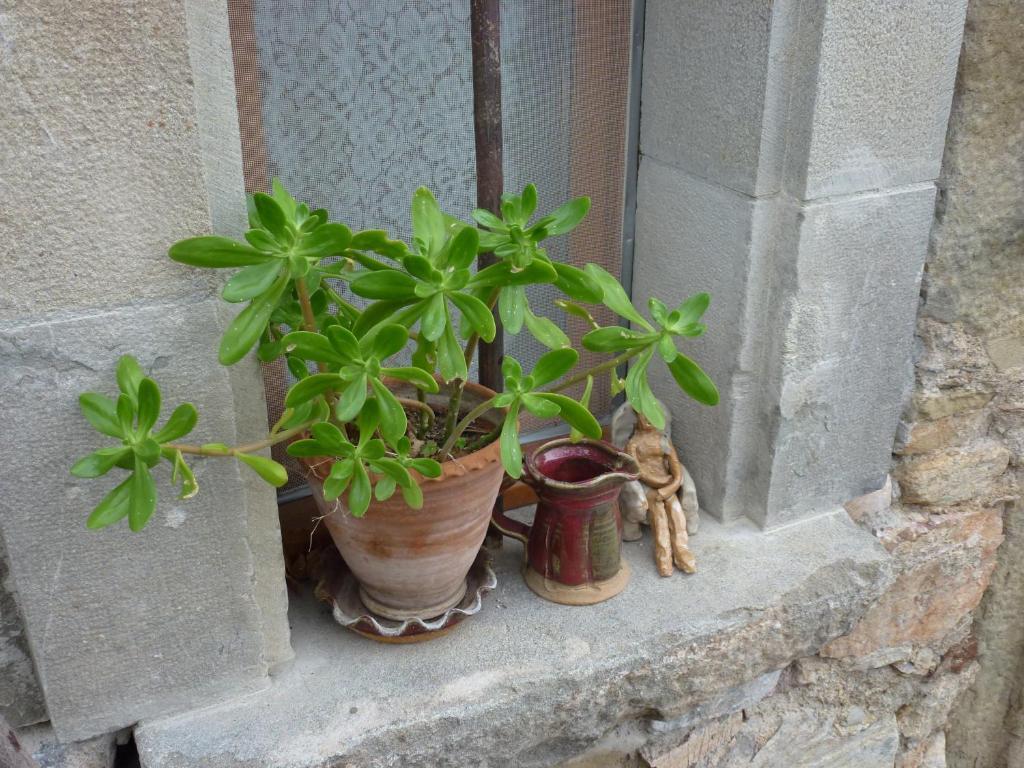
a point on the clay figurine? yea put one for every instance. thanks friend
(664, 496)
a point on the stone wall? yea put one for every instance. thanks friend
(964, 441)
(924, 680)
(120, 137)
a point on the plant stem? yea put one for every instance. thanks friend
(606, 365)
(425, 420)
(472, 416)
(455, 401)
(422, 407)
(199, 450)
(485, 440)
(308, 318)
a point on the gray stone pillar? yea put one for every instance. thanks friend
(789, 151)
(120, 137)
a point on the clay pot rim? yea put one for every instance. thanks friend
(320, 466)
(631, 471)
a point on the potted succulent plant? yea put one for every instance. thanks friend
(408, 454)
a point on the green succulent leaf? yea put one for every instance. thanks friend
(389, 340)
(268, 469)
(351, 399)
(426, 467)
(553, 365)
(272, 216)
(215, 252)
(433, 320)
(503, 274)
(667, 349)
(574, 434)
(384, 489)
(314, 346)
(574, 414)
(539, 407)
(101, 413)
(512, 308)
(283, 198)
(615, 297)
(691, 310)
(263, 241)
(421, 378)
(566, 217)
(528, 202)
(143, 496)
(577, 284)
(129, 376)
(148, 404)
(450, 360)
(113, 507)
(692, 380)
(346, 345)
(359, 491)
(638, 390)
(511, 451)
(393, 421)
(327, 240)
(428, 224)
(462, 249)
(252, 281)
(339, 478)
(310, 387)
(100, 462)
(576, 310)
(511, 371)
(377, 240)
(126, 414)
(148, 450)
(545, 331)
(485, 218)
(615, 338)
(384, 284)
(245, 329)
(480, 318)
(181, 473)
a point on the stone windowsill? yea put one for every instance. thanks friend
(529, 683)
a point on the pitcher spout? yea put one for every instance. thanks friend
(579, 468)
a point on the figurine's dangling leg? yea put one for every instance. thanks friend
(688, 498)
(681, 554)
(662, 535)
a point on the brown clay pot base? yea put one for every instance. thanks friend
(583, 594)
(339, 589)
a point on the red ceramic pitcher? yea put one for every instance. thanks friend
(573, 548)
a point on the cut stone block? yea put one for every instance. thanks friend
(810, 335)
(529, 683)
(48, 752)
(21, 699)
(884, 85)
(703, 233)
(102, 169)
(125, 625)
(714, 55)
(847, 347)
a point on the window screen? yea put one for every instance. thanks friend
(355, 104)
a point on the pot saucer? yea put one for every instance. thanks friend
(339, 589)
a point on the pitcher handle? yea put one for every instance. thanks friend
(509, 527)
(506, 525)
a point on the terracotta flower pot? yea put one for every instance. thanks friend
(413, 562)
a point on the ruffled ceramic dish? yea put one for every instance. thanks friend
(339, 589)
